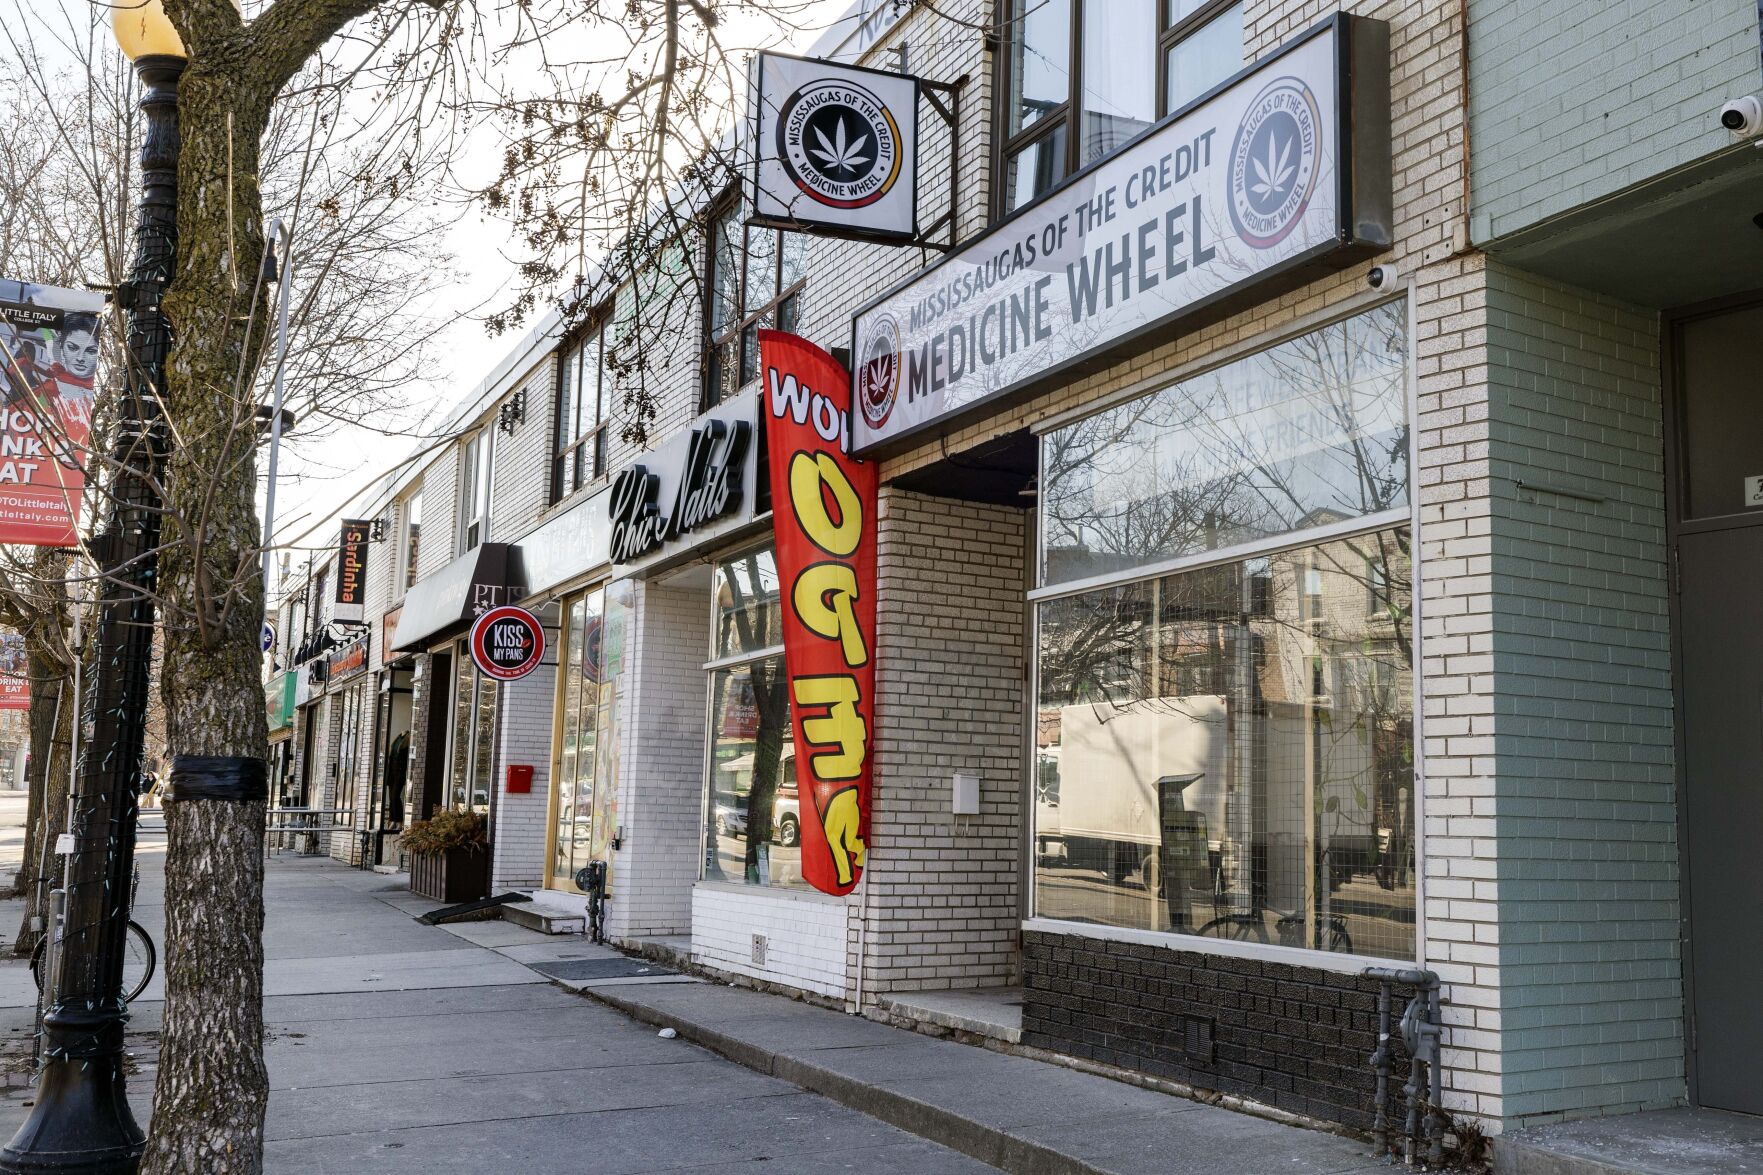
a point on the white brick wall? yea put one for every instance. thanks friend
(943, 910)
(805, 935)
(522, 831)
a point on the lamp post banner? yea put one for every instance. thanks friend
(15, 678)
(823, 512)
(48, 366)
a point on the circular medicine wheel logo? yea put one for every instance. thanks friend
(507, 643)
(878, 370)
(840, 144)
(1273, 162)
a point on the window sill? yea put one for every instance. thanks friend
(793, 893)
(1223, 947)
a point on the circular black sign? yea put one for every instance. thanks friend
(840, 143)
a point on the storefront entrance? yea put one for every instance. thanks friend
(1718, 513)
(584, 809)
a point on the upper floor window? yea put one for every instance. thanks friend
(584, 393)
(1086, 76)
(474, 489)
(412, 539)
(755, 280)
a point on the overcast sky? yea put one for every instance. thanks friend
(321, 479)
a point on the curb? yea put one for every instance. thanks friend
(976, 1140)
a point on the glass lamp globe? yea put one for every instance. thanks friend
(143, 30)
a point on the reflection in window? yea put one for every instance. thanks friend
(587, 756)
(1118, 103)
(1229, 752)
(1207, 55)
(753, 819)
(1307, 433)
(756, 280)
(474, 735)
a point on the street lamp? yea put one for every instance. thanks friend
(81, 1123)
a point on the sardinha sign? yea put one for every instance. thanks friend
(1282, 170)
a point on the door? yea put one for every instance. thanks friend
(1718, 519)
(1722, 656)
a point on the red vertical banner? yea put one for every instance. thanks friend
(823, 504)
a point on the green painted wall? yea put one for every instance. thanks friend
(1590, 977)
(1573, 100)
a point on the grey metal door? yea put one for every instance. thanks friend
(1721, 652)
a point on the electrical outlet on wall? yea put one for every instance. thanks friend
(759, 945)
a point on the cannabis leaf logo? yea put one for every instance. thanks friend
(837, 155)
(881, 370)
(1272, 178)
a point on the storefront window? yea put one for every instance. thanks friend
(1074, 99)
(586, 789)
(1311, 432)
(753, 820)
(474, 735)
(348, 704)
(1227, 750)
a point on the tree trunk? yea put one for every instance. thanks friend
(212, 1086)
(54, 710)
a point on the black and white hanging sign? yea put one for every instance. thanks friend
(507, 643)
(834, 148)
(1278, 175)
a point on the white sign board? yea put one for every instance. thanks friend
(1249, 183)
(835, 148)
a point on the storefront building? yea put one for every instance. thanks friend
(1297, 532)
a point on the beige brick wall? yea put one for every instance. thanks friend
(942, 909)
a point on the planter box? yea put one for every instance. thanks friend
(457, 875)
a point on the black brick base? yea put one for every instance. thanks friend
(1292, 1037)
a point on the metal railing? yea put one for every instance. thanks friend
(305, 831)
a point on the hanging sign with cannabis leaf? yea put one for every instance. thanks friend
(833, 149)
(1269, 181)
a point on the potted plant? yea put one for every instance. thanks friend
(449, 856)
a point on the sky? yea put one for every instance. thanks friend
(320, 479)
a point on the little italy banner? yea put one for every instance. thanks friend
(48, 368)
(823, 504)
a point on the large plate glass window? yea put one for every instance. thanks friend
(348, 705)
(1084, 77)
(753, 830)
(585, 789)
(1225, 743)
(756, 280)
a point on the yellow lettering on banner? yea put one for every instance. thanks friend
(840, 727)
(808, 472)
(824, 595)
(843, 822)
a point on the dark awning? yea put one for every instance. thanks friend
(446, 602)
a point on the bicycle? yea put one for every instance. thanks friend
(1251, 925)
(139, 957)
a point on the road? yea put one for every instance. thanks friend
(398, 1047)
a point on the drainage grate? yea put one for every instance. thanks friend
(577, 969)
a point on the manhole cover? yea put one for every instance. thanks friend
(600, 969)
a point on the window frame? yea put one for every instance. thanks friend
(1067, 115)
(734, 335)
(477, 457)
(579, 460)
(404, 574)
(1407, 516)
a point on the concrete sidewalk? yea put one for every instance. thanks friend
(1012, 1112)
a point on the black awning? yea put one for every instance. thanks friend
(448, 601)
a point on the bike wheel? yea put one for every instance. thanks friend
(1240, 927)
(37, 959)
(139, 959)
(1339, 940)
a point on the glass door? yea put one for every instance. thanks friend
(585, 779)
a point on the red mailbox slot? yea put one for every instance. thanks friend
(520, 779)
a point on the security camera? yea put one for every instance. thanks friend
(1382, 277)
(1743, 116)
